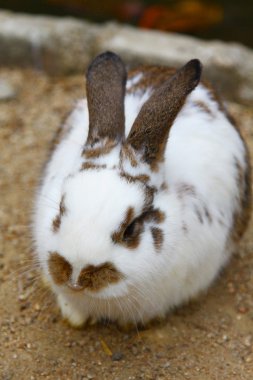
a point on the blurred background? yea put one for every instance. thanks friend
(229, 20)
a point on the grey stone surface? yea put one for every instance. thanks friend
(65, 45)
(228, 65)
(55, 45)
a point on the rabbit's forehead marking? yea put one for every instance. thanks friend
(62, 211)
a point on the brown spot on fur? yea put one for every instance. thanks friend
(164, 186)
(59, 268)
(185, 228)
(56, 223)
(90, 152)
(154, 215)
(118, 235)
(204, 107)
(203, 213)
(90, 165)
(208, 214)
(152, 76)
(184, 189)
(157, 235)
(149, 198)
(221, 222)
(61, 131)
(128, 153)
(62, 206)
(125, 235)
(198, 214)
(131, 179)
(214, 95)
(130, 230)
(241, 217)
(95, 278)
(57, 220)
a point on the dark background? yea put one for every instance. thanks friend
(229, 20)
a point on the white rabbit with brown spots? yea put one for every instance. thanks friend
(144, 197)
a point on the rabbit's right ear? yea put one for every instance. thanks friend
(105, 86)
(150, 130)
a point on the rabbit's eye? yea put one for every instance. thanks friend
(132, 230)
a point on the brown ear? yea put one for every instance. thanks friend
(150, 130)
(105, 86)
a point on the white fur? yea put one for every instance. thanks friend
(200, 153)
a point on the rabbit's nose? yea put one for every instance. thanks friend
(74, 286)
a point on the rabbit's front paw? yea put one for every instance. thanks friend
(73, 316)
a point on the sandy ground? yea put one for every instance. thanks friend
(210, 338)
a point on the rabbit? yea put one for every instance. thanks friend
(145, 196)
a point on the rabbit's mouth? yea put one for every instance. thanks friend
(110, 291)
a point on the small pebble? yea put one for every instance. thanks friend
(117, 356)
(7, 91)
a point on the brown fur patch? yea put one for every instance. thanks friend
(214, 95)
(128, 153)
(90, 165)
(62, 206)
(208, 214)
(157, 235)
(149, 198)
(164, 186)
(154, 215)
(59, 268)
(122, 237)
(198, 214)
(184, 189)
(152, 76)
(130, 230)
(61, 131)
(90, 152)
(56, 223)
(204, 107)
(57, 220)
(185, 228)
(132, 179)
(242, 216)
(95, 278)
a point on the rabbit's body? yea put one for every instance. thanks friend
(124, 236)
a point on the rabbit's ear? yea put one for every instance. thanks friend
(105, 86)
(150, 130)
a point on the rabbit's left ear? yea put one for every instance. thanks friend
(150, 130)
(105, 86)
